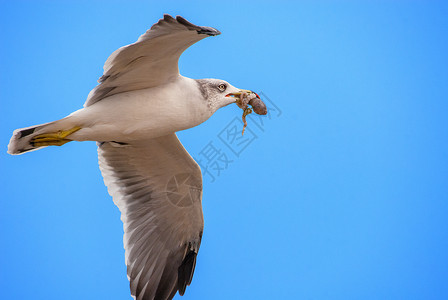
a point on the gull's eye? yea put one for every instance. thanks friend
(222, 87)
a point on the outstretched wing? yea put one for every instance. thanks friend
(151, 61)
(158, 188)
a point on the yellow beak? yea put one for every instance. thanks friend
(237, 94)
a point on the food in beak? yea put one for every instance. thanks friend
(250, 98)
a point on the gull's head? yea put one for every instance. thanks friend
(219, 93)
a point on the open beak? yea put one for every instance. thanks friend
(237, 95)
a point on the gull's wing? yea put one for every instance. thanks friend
(151, 61)
(158, 188)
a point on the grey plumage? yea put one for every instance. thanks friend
(158, 234)
(157, 49)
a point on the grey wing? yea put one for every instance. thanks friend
(158, 188)
(151, 61)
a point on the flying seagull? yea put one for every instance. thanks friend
(133, 114)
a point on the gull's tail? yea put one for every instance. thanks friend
(39, 136)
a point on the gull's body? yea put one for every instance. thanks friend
(130, 116)
(133, 114)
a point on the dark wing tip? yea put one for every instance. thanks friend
(200, 29)
(168, 18)
(185, 271)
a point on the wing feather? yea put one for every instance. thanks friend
(151, 61)
(160, 232)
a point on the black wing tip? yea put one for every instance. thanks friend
(167, 18)
(209, 31)
(185, 271)
(200, 29)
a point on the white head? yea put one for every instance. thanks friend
(219, 93)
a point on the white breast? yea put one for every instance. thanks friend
(143, 114)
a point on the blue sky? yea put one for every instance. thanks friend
(341, 194)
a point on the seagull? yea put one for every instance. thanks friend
(133, 114)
